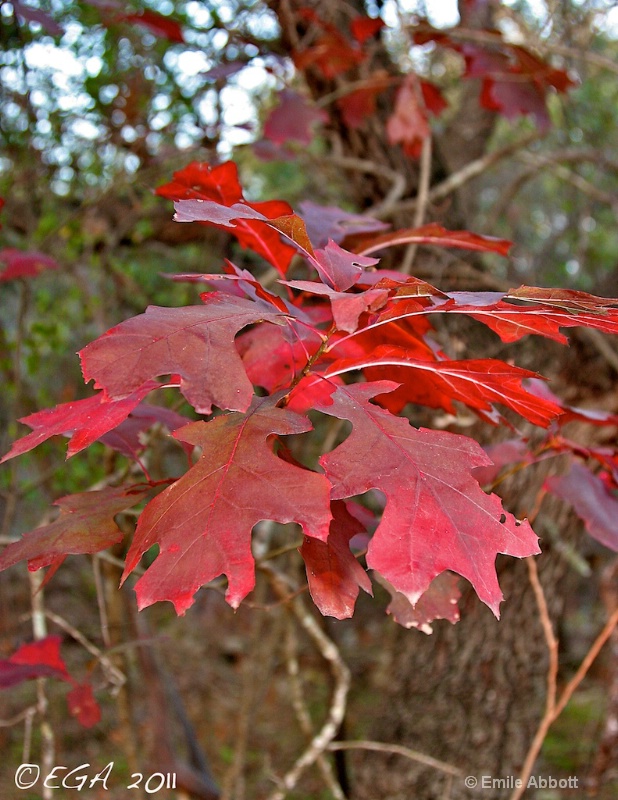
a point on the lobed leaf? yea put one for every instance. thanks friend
(85, 525)
(195, 342)
(203, 522)
(437, 517)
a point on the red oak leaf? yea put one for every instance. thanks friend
(438, 602)
(333, 573)
(476, 382)
(437, 517)
(330, 222)
(331, 54)
(594, 416)
(346, 306)
(435, 234)
(568, 299)
(24, 263)
(201, 180)
(43, 651)
(164, 27)
(359, 105)
(203, 522)
(31, 14)
(363, 28)
(338, 268)
(196, 342)
(220, 184)
(293, 119)
(592, 501)
(85, 525)
(85, 420)
(273, 360)
(512, 322)
(83, 705)
(125, 438)
(42, 659)
(408, 124)
(514, 80)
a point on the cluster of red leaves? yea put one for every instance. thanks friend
(42, 659)
(344, 320)
(514, 82)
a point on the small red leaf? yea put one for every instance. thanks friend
(592, 501)
(161, 26)
(85, 525)
(363, 28)
(83, 706)
(24, 263)
(408, 124)
(293, 119)
(438, 602)
(338, 268)
(333, 573)
(85, 420)
(43, 651)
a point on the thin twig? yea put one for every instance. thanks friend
(115, 675)
(341, 676)
(555, 706)
(422, 200)
(457, 179)
(537, 162)
(399, 750)
(102, 605)
(397, 179)
(301, 710)
(20, 717)
(39, 628)
(591, 655)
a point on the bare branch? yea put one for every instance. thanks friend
(462, 176)
(301, 710)
(341, 675)
(553, 706)
(406, 752)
